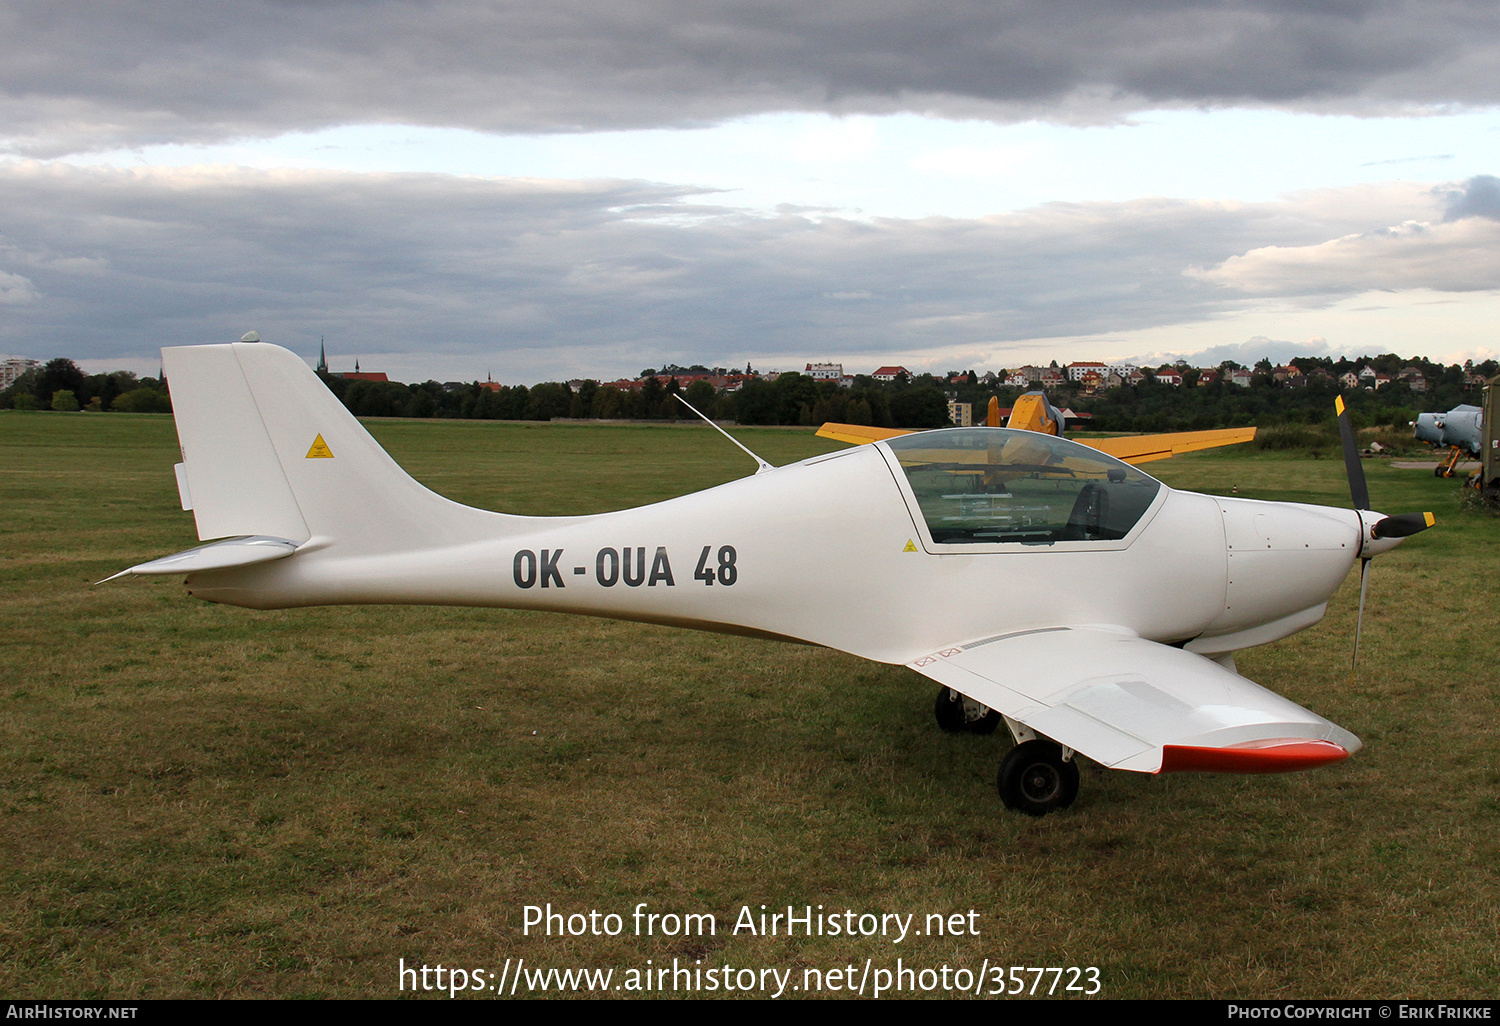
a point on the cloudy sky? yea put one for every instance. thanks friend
(449, 188)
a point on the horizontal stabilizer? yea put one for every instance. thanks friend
(219, 555)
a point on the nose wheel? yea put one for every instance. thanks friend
(1036, 779)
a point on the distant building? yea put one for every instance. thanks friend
(14, 367)
(961, 414)
(1414, 379)
(890, 373)
(1077, 371)
(825, 371)
(355, 375)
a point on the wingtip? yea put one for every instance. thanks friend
(1284, 755)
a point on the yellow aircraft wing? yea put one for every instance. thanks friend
(1145, 448)
(1127, 448)
(859, 434)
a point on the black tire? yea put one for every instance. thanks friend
(1035, 780)
(949, 710)
(951, 717)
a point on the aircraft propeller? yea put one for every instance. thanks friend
(1390, 529)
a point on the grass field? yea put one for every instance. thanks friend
(199, 800)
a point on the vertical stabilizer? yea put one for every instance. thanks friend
(269, 450)
(228, 460)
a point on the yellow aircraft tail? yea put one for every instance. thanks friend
(1033, 412)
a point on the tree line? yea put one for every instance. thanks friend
(918, 401)
(792, 398)
(61, 385)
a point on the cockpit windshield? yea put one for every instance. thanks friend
(992, 485)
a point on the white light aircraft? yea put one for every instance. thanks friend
(934, 550)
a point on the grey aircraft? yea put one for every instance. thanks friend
(1460, 430)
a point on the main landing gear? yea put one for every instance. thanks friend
(958, 713)
(1036, 777)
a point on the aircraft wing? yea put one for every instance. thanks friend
(1126, 448)
(859, 434)
(1132, 704)
(1145, 448)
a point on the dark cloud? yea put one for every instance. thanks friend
(1478, 197)
(78, 76)
(564, 278)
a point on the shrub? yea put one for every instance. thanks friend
(142, 400)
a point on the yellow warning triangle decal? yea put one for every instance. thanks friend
(909, 546)
(319, 450)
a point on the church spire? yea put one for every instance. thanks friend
(322, 357)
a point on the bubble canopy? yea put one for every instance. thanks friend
(986, 486)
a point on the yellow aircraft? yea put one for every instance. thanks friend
(1033, 412)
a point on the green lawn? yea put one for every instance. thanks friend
(198, 800)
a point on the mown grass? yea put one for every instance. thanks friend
(206, 801)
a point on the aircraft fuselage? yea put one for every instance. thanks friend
(834, 551)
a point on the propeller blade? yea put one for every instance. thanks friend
(1359, 618)
(1359, 491)
(1403, 525)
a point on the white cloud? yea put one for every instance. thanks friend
(432, 274)
(1458, 256)
(16, 289)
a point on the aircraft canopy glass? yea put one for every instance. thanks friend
(992, 485)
